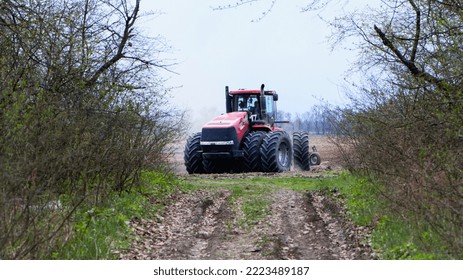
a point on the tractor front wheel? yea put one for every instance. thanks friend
(192, 155)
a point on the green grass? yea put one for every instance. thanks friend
(97, 232)
(360, 197)
(403, 239)
(393, 236)
(256, 184)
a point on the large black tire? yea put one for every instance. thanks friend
(301, 150)
(192, 155)
(276, 152)
(251, 147)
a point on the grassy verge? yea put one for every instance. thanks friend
(99, 232)
(393, 236)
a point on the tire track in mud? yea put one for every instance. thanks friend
(300, 230)
(183, 230)
(202, 225)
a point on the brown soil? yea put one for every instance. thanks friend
(203, 224)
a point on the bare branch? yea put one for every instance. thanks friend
(237, 4)
(128, 29)
(414, 70)
(416, 38)
(244, 2)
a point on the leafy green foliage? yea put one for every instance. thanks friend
(96, 233)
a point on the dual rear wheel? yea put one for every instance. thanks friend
(267, 152)
(276, 152)
(273, 152)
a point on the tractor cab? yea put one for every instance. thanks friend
(260, 106)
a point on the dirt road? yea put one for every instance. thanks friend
(205, 224)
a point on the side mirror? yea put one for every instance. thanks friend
(275, 97)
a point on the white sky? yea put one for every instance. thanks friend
(287, 51)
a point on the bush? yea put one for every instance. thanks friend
(413, 149)
(82, 114)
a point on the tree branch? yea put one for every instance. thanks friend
(417, 30)
(410, 64)
(129, 23)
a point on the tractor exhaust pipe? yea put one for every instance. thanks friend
(263, 104)
(228, 105)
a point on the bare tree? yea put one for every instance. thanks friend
(404, 123)
(82, 113)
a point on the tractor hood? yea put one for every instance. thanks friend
(233, 119)
(237, 121)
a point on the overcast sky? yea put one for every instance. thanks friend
(287, 50)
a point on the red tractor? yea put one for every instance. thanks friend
(245, 139)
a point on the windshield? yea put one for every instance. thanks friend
(246, 103)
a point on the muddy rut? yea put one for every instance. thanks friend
(203, 225)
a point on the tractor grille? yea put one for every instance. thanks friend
(219, 140)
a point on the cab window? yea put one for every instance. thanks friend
(269, 104)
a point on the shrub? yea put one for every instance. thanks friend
(82, 113)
